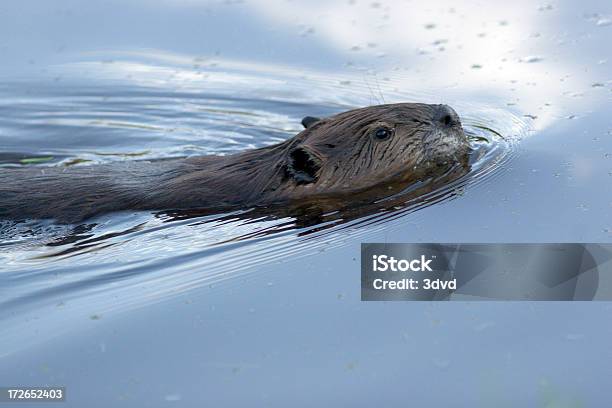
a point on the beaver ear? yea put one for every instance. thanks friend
(308, 121)
(303, 165)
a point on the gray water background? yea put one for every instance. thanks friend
(149, 313)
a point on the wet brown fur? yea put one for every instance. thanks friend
(336, 156)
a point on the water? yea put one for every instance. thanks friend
(242, 308)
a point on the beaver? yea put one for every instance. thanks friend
(346, 155)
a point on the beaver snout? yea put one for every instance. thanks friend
(446, 143)
(446, 117)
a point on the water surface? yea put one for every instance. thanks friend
(235, 309)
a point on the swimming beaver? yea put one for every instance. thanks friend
(346, 155)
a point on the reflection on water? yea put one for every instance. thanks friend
(130, 80)
(233, 109)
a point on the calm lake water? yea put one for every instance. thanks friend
(138, 309)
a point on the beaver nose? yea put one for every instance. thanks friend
(446, 116)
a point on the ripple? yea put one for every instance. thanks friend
(169, 111)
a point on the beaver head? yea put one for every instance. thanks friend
(366, 147)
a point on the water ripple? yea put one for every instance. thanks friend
(177, 111)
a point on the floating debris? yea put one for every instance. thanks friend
(599, 20)
(132, 154)
(545, 7)
(75, 161)
(531, 59)
(36, 160)
(306, 31)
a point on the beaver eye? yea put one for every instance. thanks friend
(383, 133)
